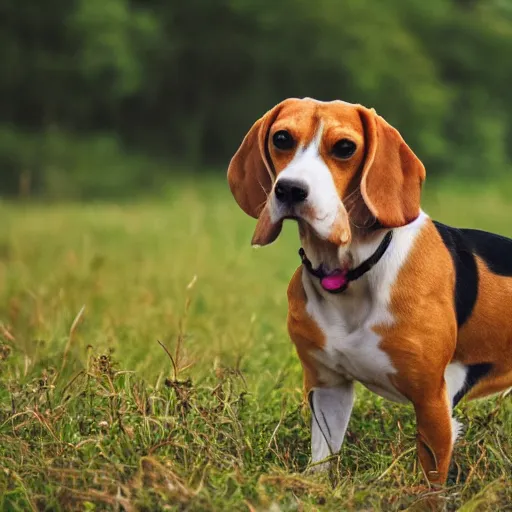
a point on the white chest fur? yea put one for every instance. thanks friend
(352, 350)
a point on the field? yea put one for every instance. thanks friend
(144, 365)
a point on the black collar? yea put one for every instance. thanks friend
(352, 274)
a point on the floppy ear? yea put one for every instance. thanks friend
(250, 174)
(392, 174)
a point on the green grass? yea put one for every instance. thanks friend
(96, 414)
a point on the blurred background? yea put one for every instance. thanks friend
(134, 314)
(114, 98)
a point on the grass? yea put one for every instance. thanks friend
(144, 365)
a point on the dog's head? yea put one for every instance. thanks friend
(328, 165)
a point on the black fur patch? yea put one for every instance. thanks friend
(466, 284)
(495, 250)
(475, 373)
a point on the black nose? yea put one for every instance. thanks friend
(291, 191)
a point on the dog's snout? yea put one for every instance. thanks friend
(291, 191)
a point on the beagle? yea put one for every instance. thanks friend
(415, 310)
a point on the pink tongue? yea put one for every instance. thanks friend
(334, 281)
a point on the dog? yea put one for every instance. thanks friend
(415, 310)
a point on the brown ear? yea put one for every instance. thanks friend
(392, 174)
(250, 174)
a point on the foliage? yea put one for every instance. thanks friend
(61, 165)
(95, 414)
(185, 80)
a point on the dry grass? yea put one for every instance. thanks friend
(144, 365)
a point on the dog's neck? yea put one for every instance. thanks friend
(321, 252)
(362, 247)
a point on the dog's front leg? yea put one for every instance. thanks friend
(435, 435)
(330, 412)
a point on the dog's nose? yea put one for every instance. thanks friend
(291, 191)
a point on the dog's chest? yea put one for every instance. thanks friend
(352, 348)
(349, 321)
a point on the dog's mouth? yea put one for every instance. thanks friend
(269, 227)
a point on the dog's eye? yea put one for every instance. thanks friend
(343, 149)
(283, 140)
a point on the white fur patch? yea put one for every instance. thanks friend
(330, 413)
(456, 430)
(455, 377)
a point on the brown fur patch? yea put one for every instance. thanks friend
(421, 340)
(303, 330)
